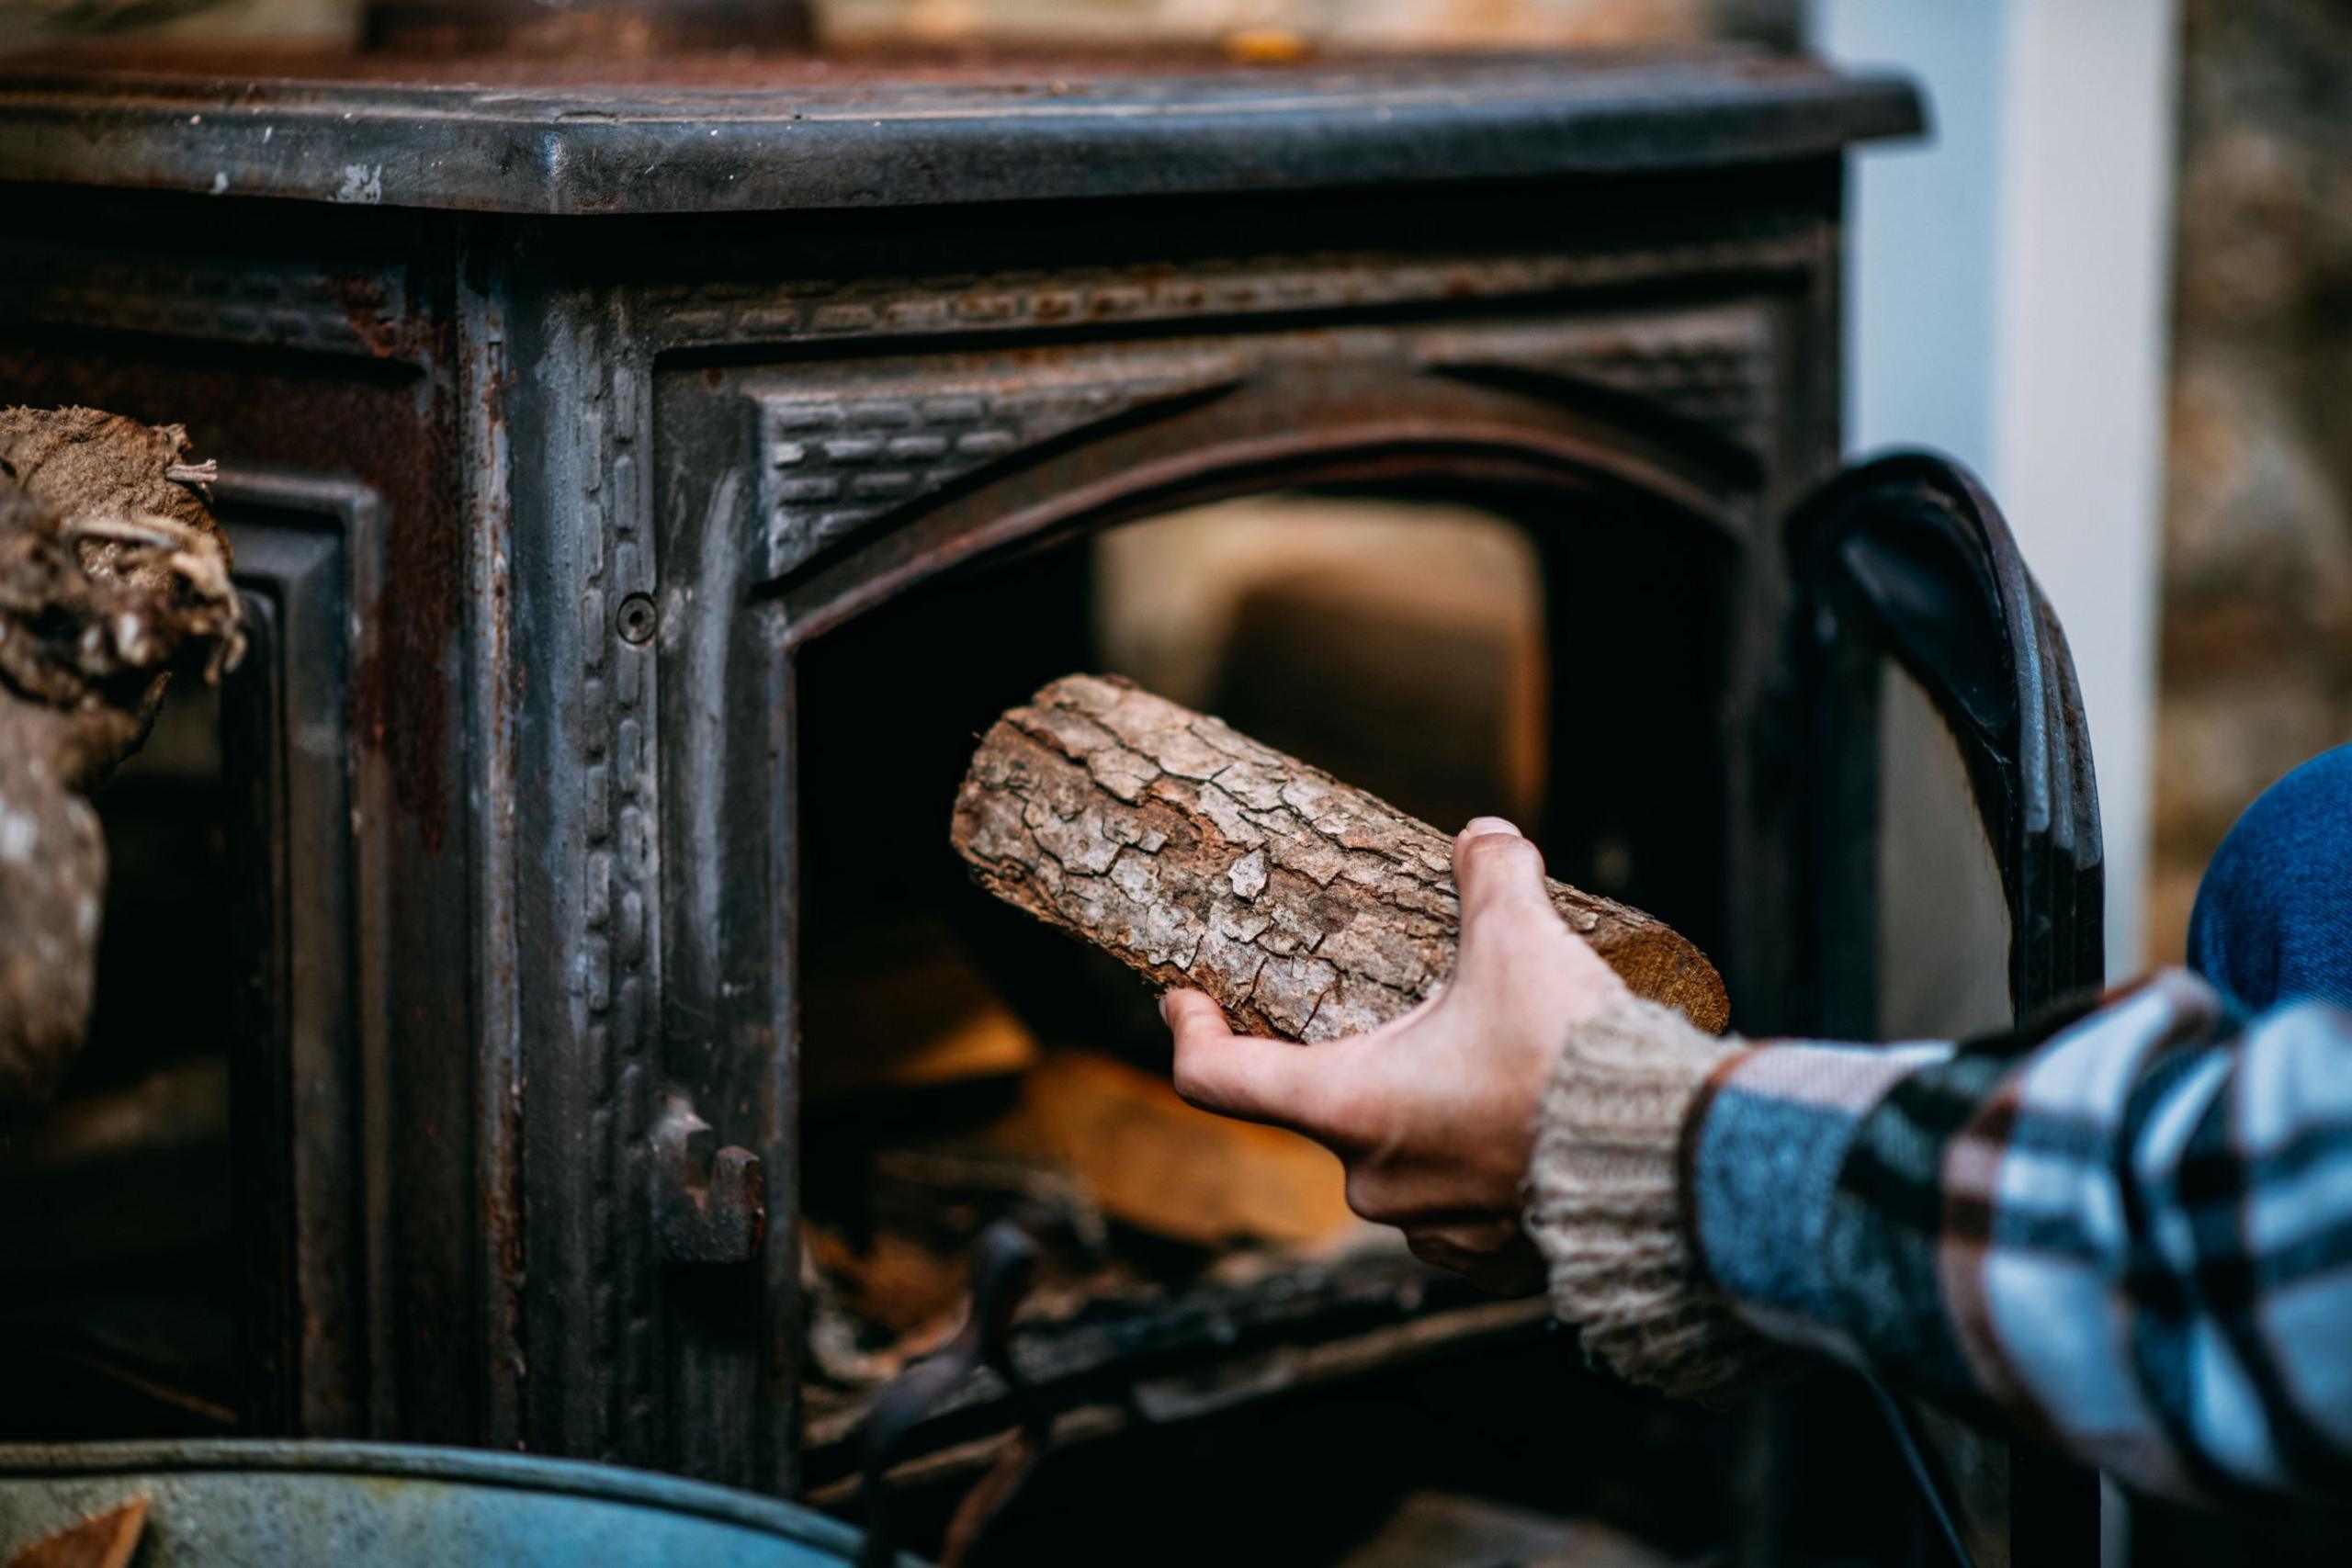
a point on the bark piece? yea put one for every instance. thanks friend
(1308, 909)
(112, 574)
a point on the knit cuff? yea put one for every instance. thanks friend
(1606, 1205)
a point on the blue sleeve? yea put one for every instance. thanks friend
(2130, 1235)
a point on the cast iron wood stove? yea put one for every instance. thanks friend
(612, 453)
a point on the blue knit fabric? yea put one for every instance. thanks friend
(2273, 921)
(2129, 1230)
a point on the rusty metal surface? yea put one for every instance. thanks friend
(590, 878)
(648, 490)
(794, 132)
(1094, 369)
(319, 360)
(712, 1201)
(228, 1504)
(308, 815)
(558, 27)
(977, 450)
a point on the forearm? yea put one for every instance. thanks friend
(1644, 1115)
(1606, 1205)
(2136, 1240)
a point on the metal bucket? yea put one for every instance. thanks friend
(240, 1504)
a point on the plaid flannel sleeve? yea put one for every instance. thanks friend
(2129, 1233)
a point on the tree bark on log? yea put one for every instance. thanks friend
(1307, 908)
(113, 574)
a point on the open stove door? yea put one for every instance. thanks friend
(1915, 596)
(1953, 853)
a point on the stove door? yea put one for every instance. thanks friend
(1943, 707)
(1952, 854)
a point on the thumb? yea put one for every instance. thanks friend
(1239, 1075)
(1505, 905)
(1496, 870)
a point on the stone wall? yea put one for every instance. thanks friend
(2257, 671)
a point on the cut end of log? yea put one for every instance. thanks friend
(1663, 965)
(1308, 909)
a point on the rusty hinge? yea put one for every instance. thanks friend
(711, 1203)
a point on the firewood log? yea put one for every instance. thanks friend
(113, 574)
(1307, 908)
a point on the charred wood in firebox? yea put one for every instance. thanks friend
(1308, 909)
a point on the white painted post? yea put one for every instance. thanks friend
(2009, 305)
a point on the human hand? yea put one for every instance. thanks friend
(1433, 1113)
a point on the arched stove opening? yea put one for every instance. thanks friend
(1551, 653)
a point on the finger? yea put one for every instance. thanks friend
(1239, 1075)
(1500, 876)
(1467, 1231)
(1497, 866)
(1517, 1268)
(1496, 1259)
(1423, 1195)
